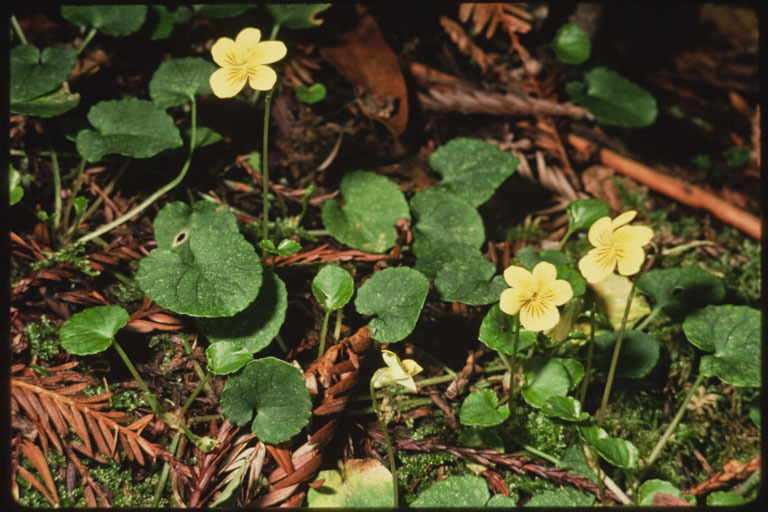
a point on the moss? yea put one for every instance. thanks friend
(43, 340)
(539, 431)
(127, 294)
(72, 254)
(424, 467)
(522, 487)
(122, 399)
(165, 343)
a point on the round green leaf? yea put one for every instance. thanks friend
(15, 190)
(312, 94)
(650, 488)
(564, 407)
(225, 357)
(33, 74)
(165, 20)
(548, 377)
(501, 501)
(472, 168)
(468, 491)
(275, 392)
(469, 280)
(129, 127)
(443, 220)
(613, 99)
(571, 44)
(497, 331)
(481, 408)
(175, 220)
(256, 326)
(429, 264)
(112, 20)
(177, 81)
(93, 330)
(725, 499)
(363, 483)
(222, 10)
(680, 290)
(582, 213)
(372, 206)
(395, 296)
(568, 497)
(333, 287)
(639, 353)
(297, 16)
(733, 334)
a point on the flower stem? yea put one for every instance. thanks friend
(87, 40)
(390, 451)
(151, 399)
(164, 473)
(56, 187)
(194, 394)
(337, 329)
(17, 29)
(513, 360)
(615, 357)
(590, 354)
(565, 238)
(323, 332)
(264, 165)
(73, 196)
(654, 312)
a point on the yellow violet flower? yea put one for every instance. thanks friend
(244, 60)
(615, 244)
(535, 295)
(396, 372)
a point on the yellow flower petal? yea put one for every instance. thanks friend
(624, 218)
(267, 52)
(558, 292)
(224, 53)
(538, 316)
(597, 264)
(247, 40)
(543, 274)
(261, 78)
(518, 277)
(412, 367)
(600, 233)
(511, 300)
(631, 260)
(632, 235)
(227, 82)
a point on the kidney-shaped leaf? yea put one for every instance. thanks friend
(33, 74)
(297, 16)
(639, 353)
(273, 391)
(362, 483)
(481, 408)
(469, 280)
(443, 220)
(564, 407)
(468, 491)
(732, 334)
(395, 297)
(177, 81)
(680, 290)
(110, 19)
(548, 377)
(472, 168)
(225, 357)
(372, 206)
(92, 331)
(497, 331)
(130, 127)
(582, 213)
(333, 287)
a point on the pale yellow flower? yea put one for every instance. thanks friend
(244, 60)
(396, 372)
(615, 244)
(535, 295)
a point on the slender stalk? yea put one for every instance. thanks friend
(323, 332)
(56, 187)
(265, 167)
(17, 29)
(151, 399)
(164, 473)
(281, 342)
(390, 451)
(78, 181)
(590, 354)
(653, 314)
(157, 194)
(204, 418)
(337, 329)
(194, 394)
(750, 483)
(87, 40)
(566, 236)
(615, 357)
(97, 202)
(447, 378)
(554, 460)
(513, 362)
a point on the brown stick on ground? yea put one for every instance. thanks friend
(686, 193)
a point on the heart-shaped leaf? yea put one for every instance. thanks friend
(472, 168)
(501, 501)
(469, 280)
(733, 334)
(165, 20)
(639, 353)
(333, 287)
(481, 408)
(564, 407)
(680, 290)
(33, 74)
(202, 266)
(582, 213)
(468, 491)
(312, 94)
(571, 44)
(395, 297)
(225, 357)
(177, 81)
(286, 247)
(112, 20)
(619, 452)
(650, 488)
(50, 105)
(498, 332)
(273, 391)
(548, 377)
(297, 16)
(430, 263)
(129, 127)
(256, 326)
(362, 483)
(372, 206)
(93, 330)
(444, 220)
(222, 10)
(567, 497)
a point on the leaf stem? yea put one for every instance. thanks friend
(390, 451)
(17, 29)
(323, 332)
(78, 181)
(590, 354)
(87, 40)
(164, 473)
(337, 329)
(654, 312)
(194, 394)
(513, 362)
(151, 399)
(565, 238)
(56, 187)
(265, 165)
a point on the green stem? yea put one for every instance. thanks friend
(447, 378)
(615, 357)
(654, 312)
(590, 354)
(56, 187)
(194, 394)
(513, 361)
(281, 342)
(322, 334)
(157, 194)
(17, 29)
(750, 483)
(151, 399)
(566, 236)
(337, 329)
(204, 418)
(107, 190)
(554, 460)
(87, 40)
(275, 30)
(264, 165)
(75, 188)
(390, 451)
(164, 473)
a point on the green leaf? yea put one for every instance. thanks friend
(297, 16)
(548, 377)
(501, 501)
(754, 411)
(530, 257)
(568, 497)
(469, 280)
(15, 190)
(202, 265)
(582, 213)
(129, 127)
(619, 452)
(333, 287)
(112, 20)
(480, 436)
(639, 353)
(497, 331)
(576, 462)
(372, 206)
(611, 297)
(733, 334)
(395, 296)
(650, 488)
(613, 99)
(725, 499)
(222, 10)
(571, 44)
(286, 247)
(257, 325)
(472, 168)
(177, 81)
(204, 136)
(275, 392)
(468, 491)
(564, 407)
(363, 483)
(50, 105)
(680, 290)
(93, 330)
(443, 220)
(165, 20)
(429, 264)
(80, 203)
(312, 94)
(225, 357)
(481, 408)
(34, 74)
